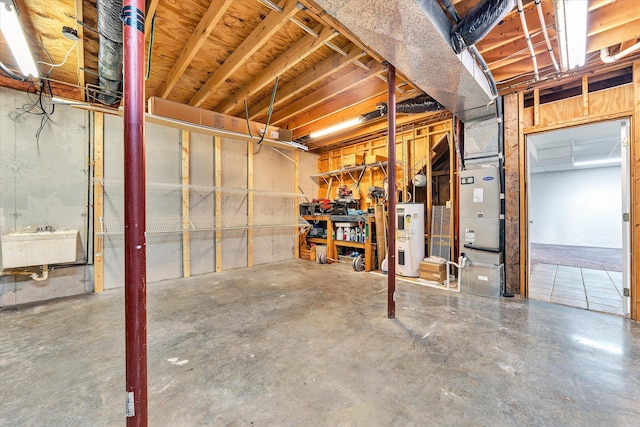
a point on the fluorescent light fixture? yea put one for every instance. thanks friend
(13, 34)
(336, 128)
(571, 24)
(599, 162)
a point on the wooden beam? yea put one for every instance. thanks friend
(296, 53)
(359, 100)
(328, 91)
(342, 108)
(613, 36)
(317, 73)
(263, 32)
(80, 46)
(185, 138)
(217, 171)
(98, 201)
(609, 17)
(210, 19)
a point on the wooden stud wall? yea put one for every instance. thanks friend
(423, 137)
(185, 138)
(635, 193)
(98, 200)
(512, 193)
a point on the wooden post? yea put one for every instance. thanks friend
(585, 96)
(634, 155)
(217, 170)
(536, 107)
(250, 231)
(186, 223)
(524, 225)
(98, 200)
(296, 202)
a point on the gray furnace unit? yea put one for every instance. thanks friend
(480, 230)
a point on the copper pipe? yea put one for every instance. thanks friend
(134, 215)
(391, 252)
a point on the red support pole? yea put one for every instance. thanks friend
(135, 251)
(391, 266)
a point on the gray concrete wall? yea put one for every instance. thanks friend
(44, 182)
(234, 204)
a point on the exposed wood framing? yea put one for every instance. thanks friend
(210, 19)
(317, 73)
(250, 231)
(635, 195)
(342, 84)
(98, 200)
(217, 170)
(185, 139)
(524, 225)
(80, 44)
(151, 6)
(296, 53)
(296, 209)
(512, 193)
(585, 96)
(249, 46)
(536, 107)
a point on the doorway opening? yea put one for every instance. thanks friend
(578, 204)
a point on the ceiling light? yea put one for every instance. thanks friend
(337, 127)
(571, 23)
(598, 162)
(13, 34)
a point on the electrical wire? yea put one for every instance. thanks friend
(273, 97)
(37, 107)
(75, 43)
(150, 50)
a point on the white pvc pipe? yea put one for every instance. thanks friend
(608, 59)
(462, 261)
(546, 35)
(527, 36)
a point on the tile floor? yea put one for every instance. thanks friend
(598, 290)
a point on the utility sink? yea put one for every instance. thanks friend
(25, 249)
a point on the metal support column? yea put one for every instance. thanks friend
(134, 215)
(391, 267)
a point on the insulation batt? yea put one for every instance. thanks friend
(478, 22)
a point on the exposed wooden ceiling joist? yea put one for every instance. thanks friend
(316, 74)
(210, 19)
(249, 46)
(296, 53)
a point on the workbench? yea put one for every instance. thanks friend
(332, 243)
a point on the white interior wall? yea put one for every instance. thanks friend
(578, 208)
(44, 182)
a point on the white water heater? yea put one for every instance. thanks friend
(409, 238)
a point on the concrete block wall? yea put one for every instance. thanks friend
(44, 181)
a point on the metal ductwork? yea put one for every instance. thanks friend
(478, 22)
(415, 36)
(419, 104)
(110, 51)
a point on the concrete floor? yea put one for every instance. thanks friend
(299, 343)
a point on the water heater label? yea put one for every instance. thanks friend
(478, 195)
(469, 235)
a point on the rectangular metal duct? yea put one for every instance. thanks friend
(413, 35)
